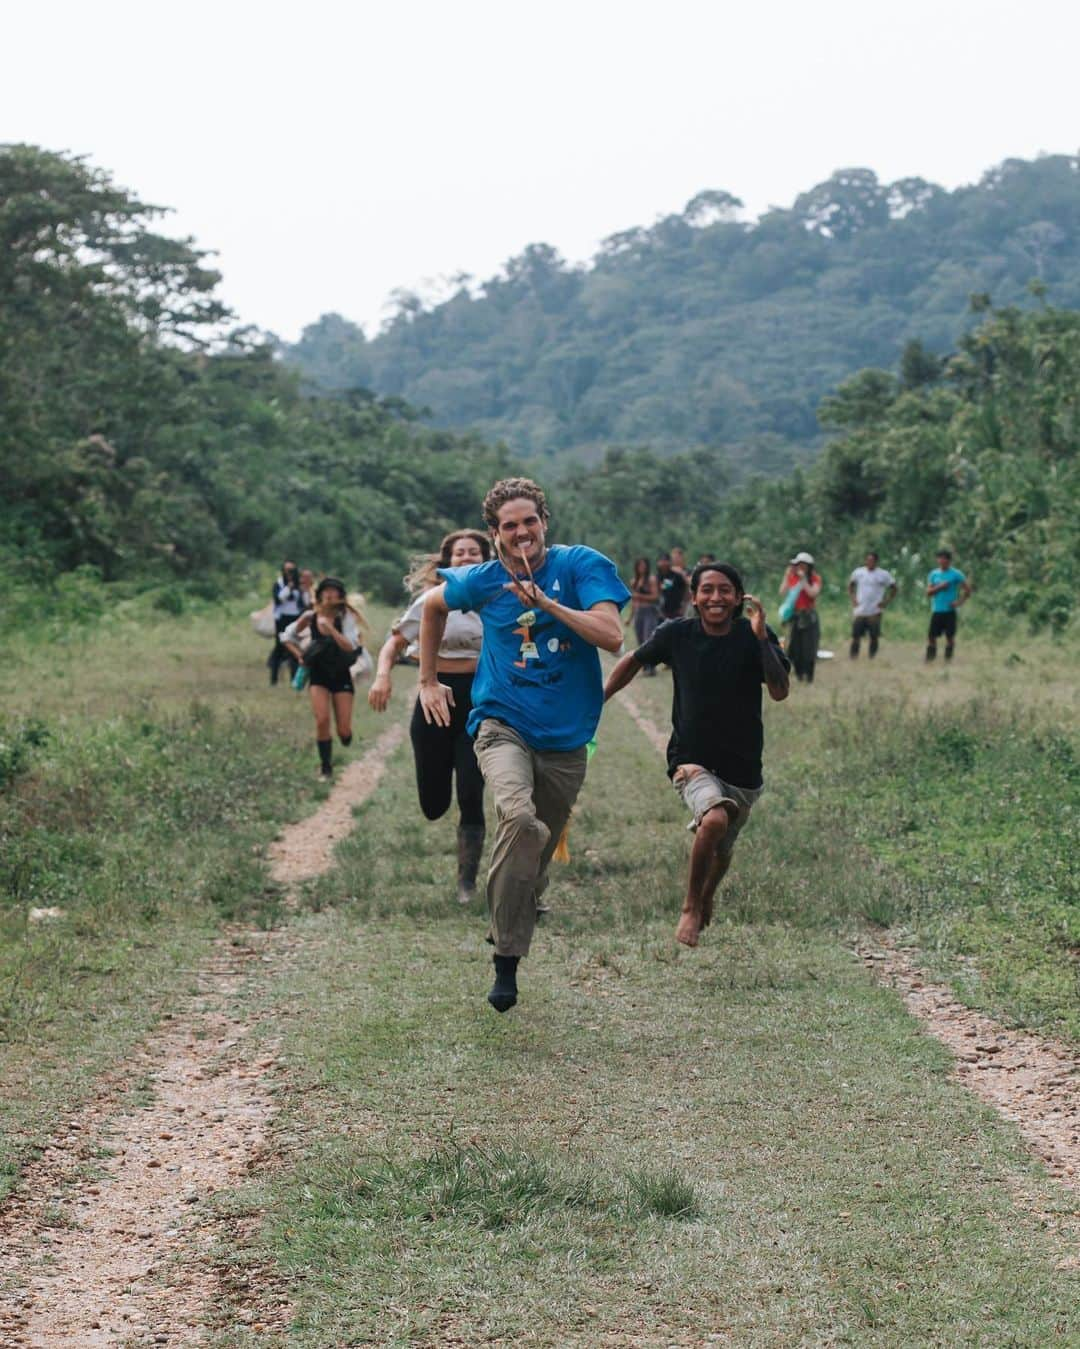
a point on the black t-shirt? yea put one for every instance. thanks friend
(672, 593)
(716, 709)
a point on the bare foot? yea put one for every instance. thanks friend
(689, 929)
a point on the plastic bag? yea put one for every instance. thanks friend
(262, 620)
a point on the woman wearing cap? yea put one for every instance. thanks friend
(799, 591)
(335, 643)
(444, 754)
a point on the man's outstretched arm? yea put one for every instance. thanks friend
(436, 699)
(626, 669)
(599, 625)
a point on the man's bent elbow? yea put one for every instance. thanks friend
(435, 601)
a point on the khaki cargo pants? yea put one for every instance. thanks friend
(534, 792)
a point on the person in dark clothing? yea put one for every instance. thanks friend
(335, 645)
(287, 599)
(444, 755)
(644, 597)
(804, 626)
(672, 587)
(719, 660)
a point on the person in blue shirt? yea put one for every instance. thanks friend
(536, 697)
(947, 588)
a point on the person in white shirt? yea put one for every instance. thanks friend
(444, 754)
(871, 589)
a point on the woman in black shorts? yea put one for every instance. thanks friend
(335, 645)
(444, 754)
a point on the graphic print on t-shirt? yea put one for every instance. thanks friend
(539, 678)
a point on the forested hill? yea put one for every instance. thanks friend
(704, 330)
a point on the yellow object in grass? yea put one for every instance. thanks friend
(562, 848)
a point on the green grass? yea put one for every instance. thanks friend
(141, 791)
(750, 1141)
(942, 802)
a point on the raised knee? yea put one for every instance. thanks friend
(525, 823)
(714, 823)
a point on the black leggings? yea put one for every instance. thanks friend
(443, 751)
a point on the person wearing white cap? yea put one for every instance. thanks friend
(799, 591)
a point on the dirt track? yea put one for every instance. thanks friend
(1031, 1081)
(108, 1238)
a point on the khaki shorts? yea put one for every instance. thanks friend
(701, 791)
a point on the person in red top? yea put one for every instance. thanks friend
(804, 627)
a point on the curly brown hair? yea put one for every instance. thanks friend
(513, 489)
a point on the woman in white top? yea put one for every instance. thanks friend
(444, 753)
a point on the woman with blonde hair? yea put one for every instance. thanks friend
(444, 754)
(335, 626)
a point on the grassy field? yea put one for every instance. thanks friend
(749, 1142)
(150, 765)
(943, 802)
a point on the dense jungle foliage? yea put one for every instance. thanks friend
(135, 447)
(141, 449)
(977, 452)
(706, 330)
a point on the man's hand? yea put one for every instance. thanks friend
(530, 595)
(379, 694)
(436, 701)
(755, 611)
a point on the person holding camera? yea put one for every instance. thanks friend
(799, 591)
(287, 600)
(335, 644)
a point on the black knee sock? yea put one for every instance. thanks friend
(503, 994)
(345, 739)
(325, 750)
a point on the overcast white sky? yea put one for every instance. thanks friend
(331, 152)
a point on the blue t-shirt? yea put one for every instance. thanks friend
(943, 601)
(540, 678)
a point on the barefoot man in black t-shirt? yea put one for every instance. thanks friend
(719, 661)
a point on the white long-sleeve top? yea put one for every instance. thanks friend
(462, 639)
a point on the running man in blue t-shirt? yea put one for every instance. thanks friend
(947, 588)
(537, 695)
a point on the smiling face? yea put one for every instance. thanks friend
(330, 599)
(716, 598)
(465, 552)
(520, 531)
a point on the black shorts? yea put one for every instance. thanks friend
(332, 682)
(943, 625)
(862, 624)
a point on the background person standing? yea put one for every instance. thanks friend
(804, 627)
(672, 586)
(947, 588)
(287, 599)
(645, 604)
(871, 589)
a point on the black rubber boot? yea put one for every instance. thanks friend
(326, 764)
(503, 994)
(470, 844)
